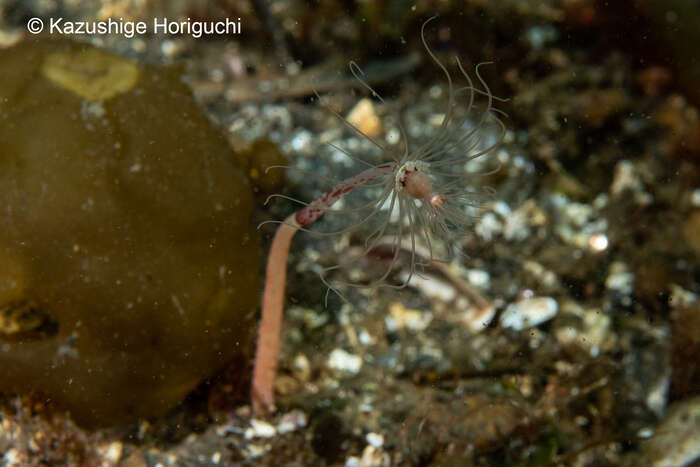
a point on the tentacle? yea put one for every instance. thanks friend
(347, 123)
(358, 74)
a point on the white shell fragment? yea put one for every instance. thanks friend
(529, 312)
(627, 180)
(111, 452)
(401, 317)
(301, 368)
(430, 286)
(477, 319)
(260, 429)
(375, 439)
(479, 278)
(620, 279)
(587, 328)
(676, 442)
(341, 360)
(292, 421)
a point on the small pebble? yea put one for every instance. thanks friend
(393, 136)
(430, 287)
(302, 142)
(341, 360)
(260, 429)
(516, 227)
(676, 442)
(598, 242)
(501, 208)
(436, 119)
(10, 38)
(681, 298)
(170, 48)
(695, 198)
(488, 226)
(477, 319)
(111, 453)
(12, 457)
(292, 421)
(138, 45)
(529, 312)
(401, 317)
(479, 278)
(255, 451)
(620, 279)
(541, 274)
(301, 367)
(626, 179)
(589, 329)
(364, 117)
(365, 338)
(373, 457)
(375, 439)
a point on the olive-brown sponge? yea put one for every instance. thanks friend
(128, 266)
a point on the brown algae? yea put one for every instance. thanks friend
(125, 226)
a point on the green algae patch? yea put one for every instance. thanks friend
(128, 265)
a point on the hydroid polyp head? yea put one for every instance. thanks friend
(422, 195)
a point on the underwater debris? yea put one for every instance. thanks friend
(419, 197)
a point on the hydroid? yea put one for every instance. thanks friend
(420, 197)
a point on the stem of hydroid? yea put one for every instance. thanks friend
(268, 345)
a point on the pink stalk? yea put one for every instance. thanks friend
(266, 355)
(268, 345)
